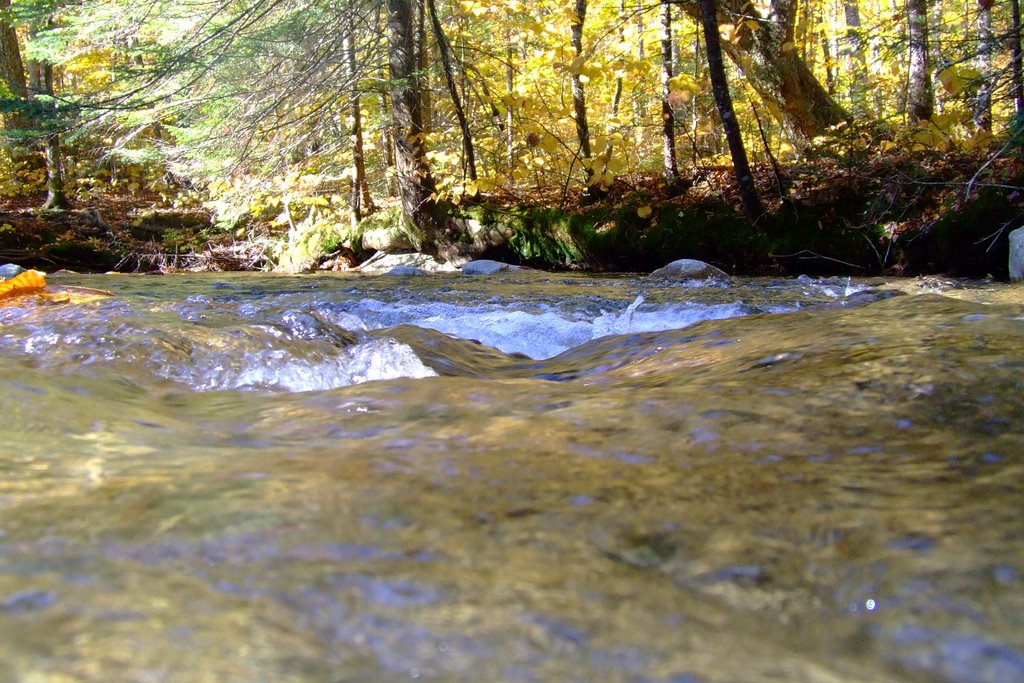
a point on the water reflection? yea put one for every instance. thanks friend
(826, 494)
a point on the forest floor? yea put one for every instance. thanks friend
(896, 214)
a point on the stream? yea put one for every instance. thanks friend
(331, 478)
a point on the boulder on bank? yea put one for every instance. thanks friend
(402, 264)
(388, 238)
(1017, 255)
(487, 267)
(689, 269)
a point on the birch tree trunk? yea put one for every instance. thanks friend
(668, 122)
(856, 57)
(983, 105)
(920, 96)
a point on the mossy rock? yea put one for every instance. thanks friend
(622, 239)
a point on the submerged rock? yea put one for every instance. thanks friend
(388, 263)
(487, 267)
(689, 269)
(1017, 255)
(406, 270)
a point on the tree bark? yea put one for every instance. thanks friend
(510, 85)
(774, 70)
(40, 82)
(853, 46)
(1017, 72)
(639, 105)
(453, 91)
(920, 96)
(668, 119)
(387, 142)
(752, 208)
(579, 96)
(617, 94)
(12, 68)
(360, 200)
(983, 105)
(415, 182)
(12, 71)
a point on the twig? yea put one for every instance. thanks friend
(768, 151)
(974, 179)
(813, 255)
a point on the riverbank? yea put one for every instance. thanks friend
(901, 215)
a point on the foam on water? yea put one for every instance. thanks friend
(274, 369)
(304, 353)
(542, 331)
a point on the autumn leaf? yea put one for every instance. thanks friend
(23, 283)
(643, 211)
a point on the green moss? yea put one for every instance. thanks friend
(308, 246)
(809, 239)
(967, 240)
(90, 255)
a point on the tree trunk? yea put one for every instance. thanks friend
(983, 105)
(579, 97)
(12, 71)
(415, 183)
(40, 82)
(617, 94)
(449, 77)
(752, 208)
(668, 119)
(920, 97)
(774, 70)
(853, 46)
(510, 85)
(387, 143)
(1015, 57)
(830, 74)
(639, 105)
(426, 95)
(362, 203)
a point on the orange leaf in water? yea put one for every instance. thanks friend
(23, 283)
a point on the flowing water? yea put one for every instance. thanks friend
(527, 477)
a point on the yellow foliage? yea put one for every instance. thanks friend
(955, 79)
(23, 283)
(684, 83)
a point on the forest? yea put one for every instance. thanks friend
(853, 136)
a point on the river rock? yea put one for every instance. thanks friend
(689, 269)
(9, 270)
(1017, 255)
(406, 270)
(487, 267)
(387, 263)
